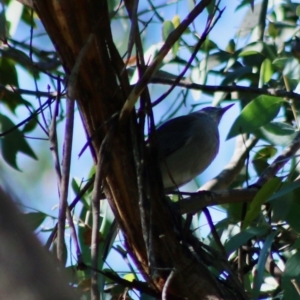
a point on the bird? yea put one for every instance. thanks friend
(187, 145)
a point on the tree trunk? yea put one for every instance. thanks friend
(101, 88)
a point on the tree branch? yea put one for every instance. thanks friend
(197, 201)
(233, 168)
(216, 88)
(280, 161)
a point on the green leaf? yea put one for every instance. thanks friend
(211, 7)
(146, 297)
(108, 230)
(75, 186)
(168, 27)
(255, 48)
(257, 113)
(8, 73)
(296, 245)
(273, 30)
(261, 157)
(253, 60)
(11, 99)
(231, 46)
(30, 125)
(176, 23)
(237, 73)
(34, 219)
(265, 153)
(129, 277)
(292, 267)
(242, 237)
(292, 69)
(298, 10)
(214, 60)
(260, 268)
(26, 16)
(266, 72)
(245, 3)
(293, 217)
(277, 133)
(280, 62)
(260, 48)
(209, 45)
(84, 235)
(279, 211)
(285, 189)
(289, 290)
(13, 142)
(260, 198)
(3, 27)
(21, 58)
(175, 48)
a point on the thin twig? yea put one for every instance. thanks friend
(100, 171)
(82, 192)
(211, 22)
(135, 284)
(40, 105)
(95, 228)
(134, 29)
(71, 207)
(167, 285)
(67, 152)
(262, 20)
(74, 236)
(33, 115)
(5, 89)
(214, 232)
(53, 141)
(170, 41)
(296, 285)
(63, 180)
(64, 183)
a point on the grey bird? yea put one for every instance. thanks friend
(188, 144)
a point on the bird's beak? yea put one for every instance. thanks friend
(224, 109)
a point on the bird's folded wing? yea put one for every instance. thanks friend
(173, 135)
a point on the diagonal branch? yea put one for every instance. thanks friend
(280, 161)
(197, 201)
(219, 88)
(234, 167)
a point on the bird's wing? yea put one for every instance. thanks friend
(173, 135)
